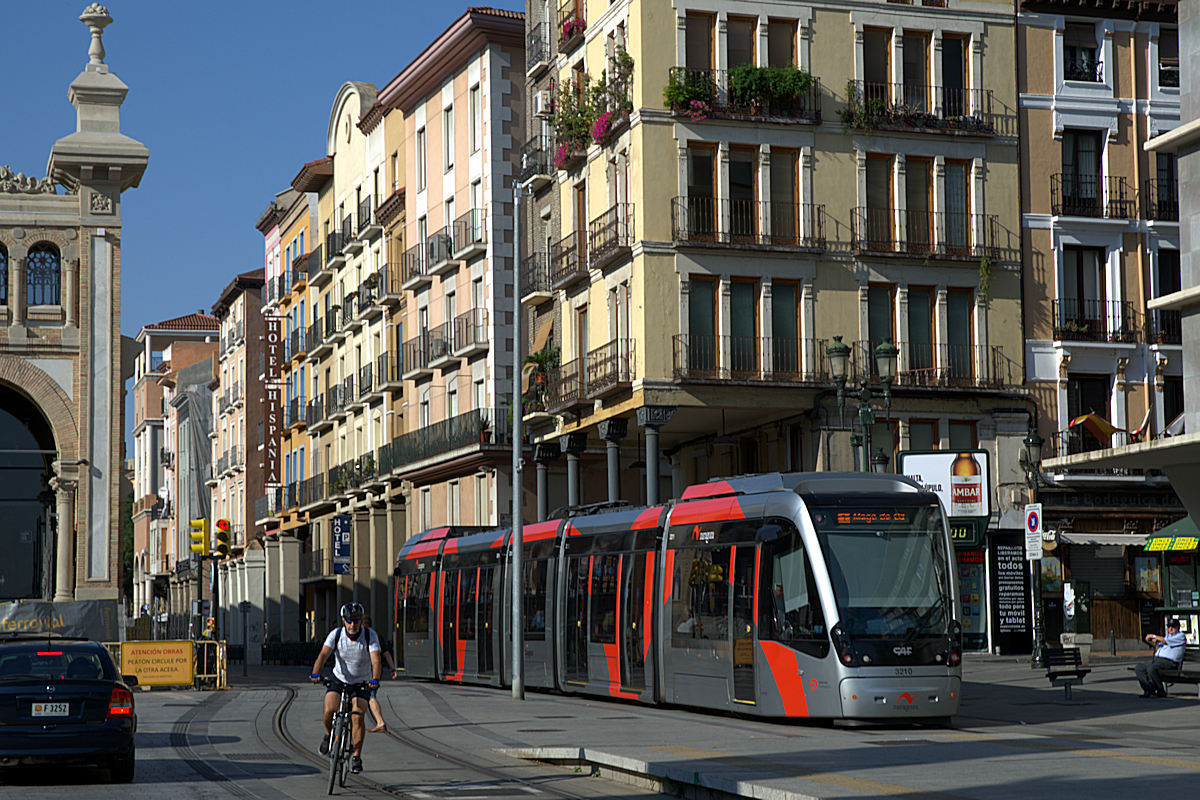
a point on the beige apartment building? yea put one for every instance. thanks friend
(1101, 240)
(163, 347)
(720, 189)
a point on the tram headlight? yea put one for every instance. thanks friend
(841, 643)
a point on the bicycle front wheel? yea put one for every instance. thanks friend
(347, 749)
(335, 751)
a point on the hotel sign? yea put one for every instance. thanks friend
(272, 400)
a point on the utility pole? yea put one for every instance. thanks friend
(518, 644)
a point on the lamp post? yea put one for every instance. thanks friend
(879, 461)
(885, 354)
(1031, 462)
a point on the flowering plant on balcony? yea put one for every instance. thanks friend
(602, 127)
(565, 152)
(571, 28)
(697, 110)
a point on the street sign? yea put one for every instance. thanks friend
(1033, 531)
(341, 544)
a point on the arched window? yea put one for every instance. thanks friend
(3, 276)
(43, 276)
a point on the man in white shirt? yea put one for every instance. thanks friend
(1168, 655)
(357, 665)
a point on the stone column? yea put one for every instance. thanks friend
(70, 283)
(254, 566)
(612, 431)
(271, 546)
(16, 288)
(544, 454)
(576, 444)
(652, 418)
(290, 600)
(64, 558)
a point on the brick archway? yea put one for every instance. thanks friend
(49, 397)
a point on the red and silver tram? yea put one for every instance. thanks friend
(826, 595)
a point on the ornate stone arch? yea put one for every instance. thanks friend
(342, 113)
(48, 396)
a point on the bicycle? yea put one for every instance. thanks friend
(341, 741)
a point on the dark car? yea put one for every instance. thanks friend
(64, 702)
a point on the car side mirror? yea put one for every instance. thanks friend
(130, 680)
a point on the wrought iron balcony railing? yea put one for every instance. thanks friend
(1085, 320)
(923, 233)
(707, 221)
(568, 260)
(535, 275)
(708, 93)
(1160, 200)
(610, 235)
(1075, 195)
(915, 106)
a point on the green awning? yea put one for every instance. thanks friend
(1179, 535)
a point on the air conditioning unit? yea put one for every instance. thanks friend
(543, 104)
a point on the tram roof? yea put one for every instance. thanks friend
(802, 483)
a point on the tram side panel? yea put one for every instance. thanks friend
(539, 555)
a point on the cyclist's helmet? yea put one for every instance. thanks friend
(352, 610)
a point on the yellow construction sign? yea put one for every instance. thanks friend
(166, 663)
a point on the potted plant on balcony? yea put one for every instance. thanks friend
(574, 115)
(684, 90)
(570, 29)
(485, 429)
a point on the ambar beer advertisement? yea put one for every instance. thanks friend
(960, 479)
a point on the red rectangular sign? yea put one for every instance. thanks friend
(272, 401)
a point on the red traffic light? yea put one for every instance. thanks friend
(223, 525)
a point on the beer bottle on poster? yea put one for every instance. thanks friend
(966, 487)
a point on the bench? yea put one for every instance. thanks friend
(1063, 667)
(1188, 671)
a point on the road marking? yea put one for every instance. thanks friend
(1097, 752)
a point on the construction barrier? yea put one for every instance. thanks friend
(175, 662)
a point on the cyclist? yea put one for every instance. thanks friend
(357, 666)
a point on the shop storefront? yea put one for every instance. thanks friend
(1168, 570)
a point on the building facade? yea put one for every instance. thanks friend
(60, 346)
(1101, 236)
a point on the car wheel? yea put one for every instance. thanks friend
(120, 770)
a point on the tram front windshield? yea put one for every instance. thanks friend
(888, 566)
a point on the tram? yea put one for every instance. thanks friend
(822, 595)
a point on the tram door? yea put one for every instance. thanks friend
(635, 628)
(745, 562)
(574, 628)
(602, 618)
(466, 618)
(449, 613)
(486, 607)
(699, 657)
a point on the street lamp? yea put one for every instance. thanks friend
(879, 461)
(1031, 462)
(885, 353)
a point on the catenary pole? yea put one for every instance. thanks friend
(518, 645)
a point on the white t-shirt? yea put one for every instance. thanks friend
(352, 657)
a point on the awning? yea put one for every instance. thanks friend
(1083, 537)
(1179, 535)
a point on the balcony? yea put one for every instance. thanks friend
(439, 251)
(471, 333)
(747, 224)
(351, 244)
(367, 294)
(568, 261)
(566, 387)
(389, 372)
(335, 404)
(923, 109)
(347, 316)
(610, 368)
(416, 358)
(536, 170)
(715, 358)
(700, 94)
(266, 507)
(1090, 196)
(316, 565)
(1113, 321)
(237, 457)
(320, 337)
(312, 493)
(922, 234)
(610, 236)
(334, 257)
(414, 268)
(946, 365)
(537, 50)
(299, 273)
(314, 412)
(441, 346)
(353, 401)
(1074, 441)
(390, 291)
(1160, 201)
(298, 344)
(535, 279)
(367, 390)
(1165, 327)
(476, 430)
(368, 226)
(294, 412)
(238, 395)
(572, 22)
(470, 235)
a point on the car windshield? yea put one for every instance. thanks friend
(50, 662)
(888, 567)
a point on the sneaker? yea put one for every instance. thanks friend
(325, 745)
(356, 764)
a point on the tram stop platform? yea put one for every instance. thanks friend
(1015, 736)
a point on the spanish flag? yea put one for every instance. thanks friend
(1101, 428)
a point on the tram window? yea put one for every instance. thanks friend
(534, 605)
(700, 595)
(416, 604)
(604, 599)
(466, 604)
(790, 608)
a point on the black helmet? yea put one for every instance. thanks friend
(352, 610)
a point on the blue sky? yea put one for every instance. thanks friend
(230, 97)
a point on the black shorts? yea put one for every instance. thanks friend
(355, 689)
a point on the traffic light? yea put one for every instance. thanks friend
(198, 536)
(222, 537)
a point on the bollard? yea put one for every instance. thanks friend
(1112, 638)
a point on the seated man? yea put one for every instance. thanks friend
(1168, 655)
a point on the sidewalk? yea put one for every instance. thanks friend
(1015, 736)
